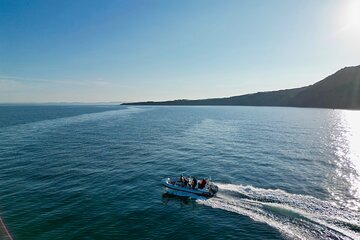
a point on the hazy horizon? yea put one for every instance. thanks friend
(101, 52)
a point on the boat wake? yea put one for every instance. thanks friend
(295, 216)
(48, 124)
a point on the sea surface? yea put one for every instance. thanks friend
(93, 172)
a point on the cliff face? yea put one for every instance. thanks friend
(339, 90)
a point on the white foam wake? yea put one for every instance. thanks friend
(296, 216)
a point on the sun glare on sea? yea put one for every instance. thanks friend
(351, 122)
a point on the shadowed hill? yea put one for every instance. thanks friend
(339, 90)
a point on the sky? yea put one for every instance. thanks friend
(121, 51)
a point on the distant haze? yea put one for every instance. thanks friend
(113, 51)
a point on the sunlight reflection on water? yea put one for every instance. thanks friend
(349, 154)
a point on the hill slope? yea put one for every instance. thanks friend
(339, 90)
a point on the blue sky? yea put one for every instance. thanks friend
(99, 51)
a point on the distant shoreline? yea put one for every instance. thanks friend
(340, 90)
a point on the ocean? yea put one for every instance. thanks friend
(94, 172)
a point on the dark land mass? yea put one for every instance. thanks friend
(339, 90)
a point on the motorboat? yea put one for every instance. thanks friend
(189, 187)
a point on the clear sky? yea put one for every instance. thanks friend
(98, 51)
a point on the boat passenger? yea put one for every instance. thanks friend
(184, 181)
(202, 183)
(194, 183)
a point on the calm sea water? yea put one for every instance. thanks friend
(93, 172)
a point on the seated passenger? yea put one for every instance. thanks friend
(194, 183)
(184, 181)
(202, 183)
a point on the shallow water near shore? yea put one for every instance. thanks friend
(93, 172)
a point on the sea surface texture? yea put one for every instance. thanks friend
(94, 172)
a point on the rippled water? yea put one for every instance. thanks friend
(93, 172)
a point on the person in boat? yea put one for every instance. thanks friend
(194, 182)
(184, 181)
(202, 183)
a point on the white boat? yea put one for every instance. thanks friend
(182, 186)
